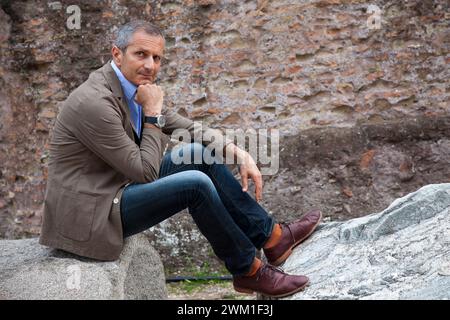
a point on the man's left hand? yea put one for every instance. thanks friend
(247, 169)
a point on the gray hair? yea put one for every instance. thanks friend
(126, 31)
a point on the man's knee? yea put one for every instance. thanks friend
(201, 180)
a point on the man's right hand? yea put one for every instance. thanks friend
(150, 97)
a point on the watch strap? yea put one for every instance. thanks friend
(152, 120)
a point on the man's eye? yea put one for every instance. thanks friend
(156, 58)
(140, 54)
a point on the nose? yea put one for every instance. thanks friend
(149, 63)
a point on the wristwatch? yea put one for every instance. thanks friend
(158, 120)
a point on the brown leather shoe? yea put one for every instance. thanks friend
(270, 281)
(292, 235)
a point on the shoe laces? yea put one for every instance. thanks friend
(266, 268)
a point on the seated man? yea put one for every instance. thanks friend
(108, 177)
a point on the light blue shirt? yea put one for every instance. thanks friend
(129, 89)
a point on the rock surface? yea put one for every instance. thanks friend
(31, 271)
(402, 252)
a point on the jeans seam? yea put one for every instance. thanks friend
(238, 209)
(205, 196)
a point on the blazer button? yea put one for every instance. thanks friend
(116, 201)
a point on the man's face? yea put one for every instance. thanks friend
(141, 60)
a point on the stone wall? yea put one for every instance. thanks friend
(308, 68)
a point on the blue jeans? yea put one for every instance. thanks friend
(232, 221)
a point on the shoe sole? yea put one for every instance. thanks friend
(249, 291)
(288, 252)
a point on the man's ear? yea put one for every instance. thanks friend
(117, 55)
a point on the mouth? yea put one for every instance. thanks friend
(147, 75)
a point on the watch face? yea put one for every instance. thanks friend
(161, 121)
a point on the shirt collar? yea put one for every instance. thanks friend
(129, 88)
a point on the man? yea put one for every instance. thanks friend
(108, 178)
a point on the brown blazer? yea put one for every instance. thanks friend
(93, 155)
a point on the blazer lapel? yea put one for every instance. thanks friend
(116, 88)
